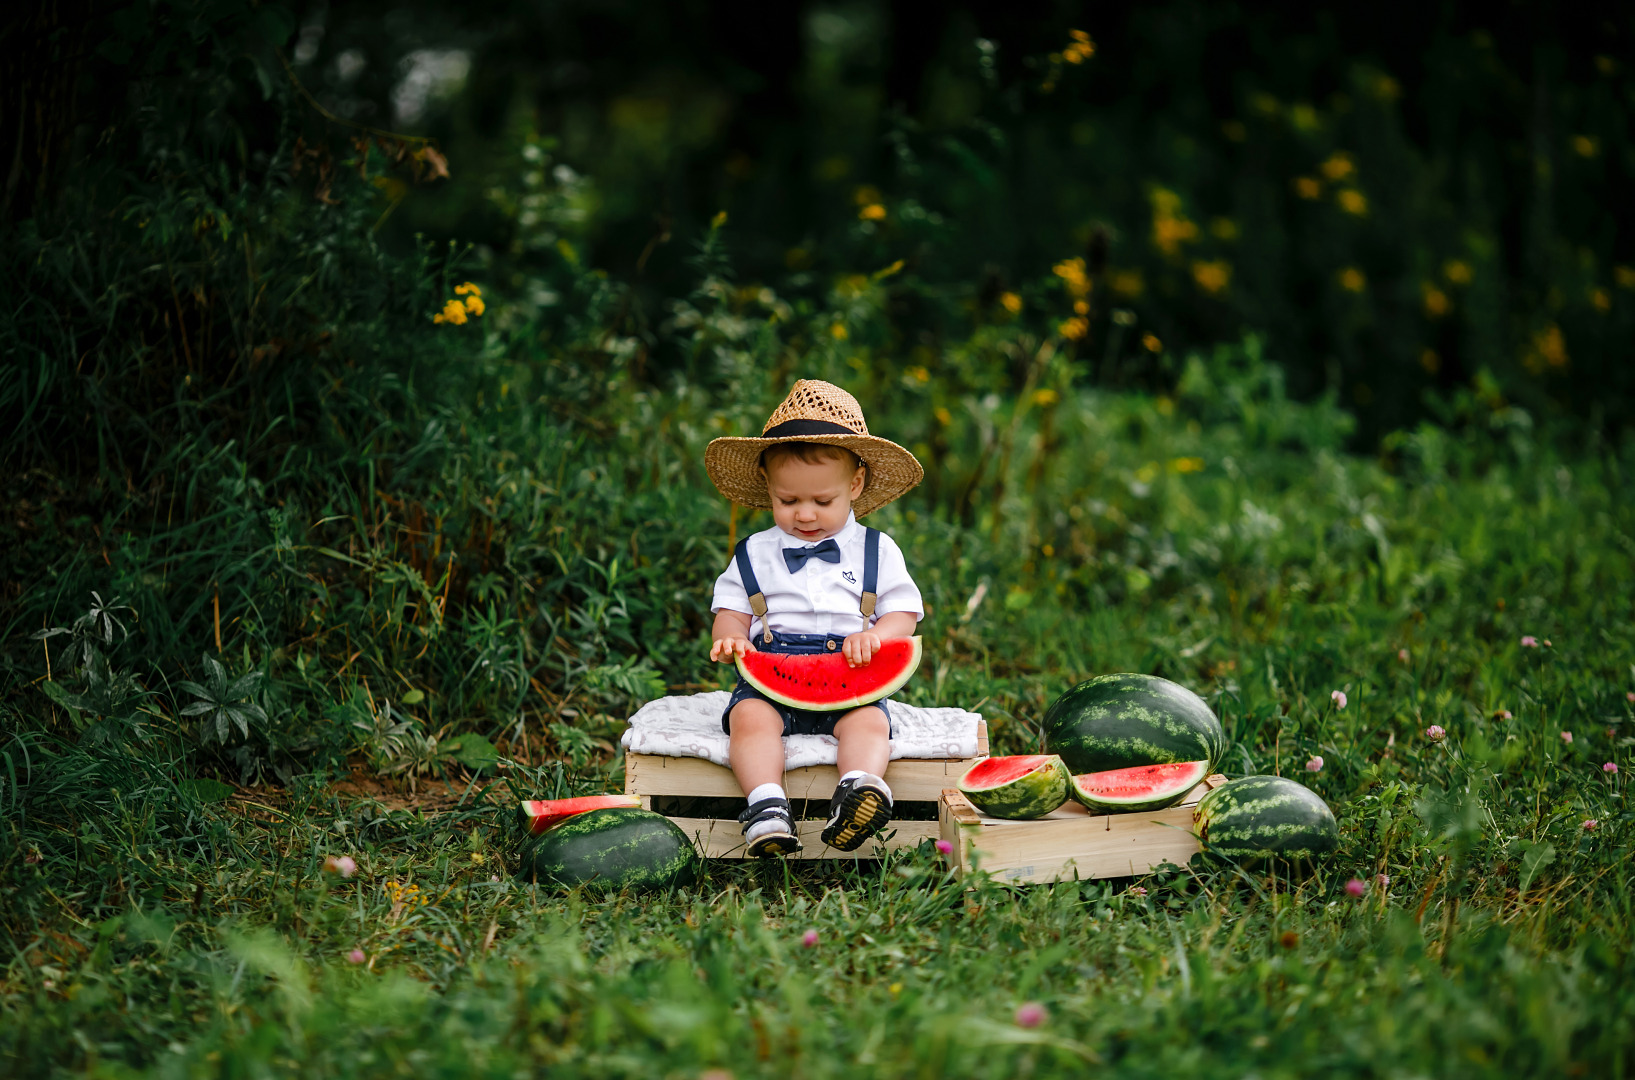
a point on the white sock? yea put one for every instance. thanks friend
(761, 828)
(856, 773)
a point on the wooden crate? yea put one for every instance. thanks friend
(912, 780)
(1070, 843)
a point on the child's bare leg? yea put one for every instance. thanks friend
(755, 744)
(865, 741)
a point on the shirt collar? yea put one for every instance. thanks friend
(842, 538)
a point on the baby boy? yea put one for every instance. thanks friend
(817, 581)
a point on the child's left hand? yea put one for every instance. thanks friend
(859, 648)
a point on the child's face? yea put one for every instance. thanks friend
(812, 499)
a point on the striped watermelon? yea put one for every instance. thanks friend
(1120, 721)
(1263, 818)
(620, 848)
(1144, 787)
(1023, 786)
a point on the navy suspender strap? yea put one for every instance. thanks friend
(757, 599)
(871, 571)
(871, 579)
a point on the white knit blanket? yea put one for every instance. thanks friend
(690, 726)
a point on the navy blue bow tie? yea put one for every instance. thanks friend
(828, 551)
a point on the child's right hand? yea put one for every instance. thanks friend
(727, 649)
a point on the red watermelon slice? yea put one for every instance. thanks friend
(537, 815)
(1022, 786)
(825, 682)
(1141, 787)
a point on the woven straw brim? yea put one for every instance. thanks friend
(734, 463)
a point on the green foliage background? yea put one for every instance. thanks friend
(277, 537)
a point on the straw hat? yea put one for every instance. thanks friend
(817, 412)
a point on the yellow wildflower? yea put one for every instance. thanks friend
(1308, 187)
(838, 331)
(1151, 343)
(1585, 146)
(475, 305)
(944, 417)
(1075, 328)
(872, 212)
(453, 312)
(1010, 302)
(719, 219)
(1436, 301)
(1338, 166)
(1551, 346)
(1071, 271)
(1353, 280)
(1601, 299)
(1624, 276)
(1081, 49)
(1046, 396)
(919, 374)
(1212, 277)
(1353, 202)
(1170, 227)
(1224, 228)
(468, 289)
(1081, 307)
(1187, 464)
(1457, 271)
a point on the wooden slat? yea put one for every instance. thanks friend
(1070, 842)
(720, 839)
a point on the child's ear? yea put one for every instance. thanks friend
(859, 479)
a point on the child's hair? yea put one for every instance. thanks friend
(809, 452)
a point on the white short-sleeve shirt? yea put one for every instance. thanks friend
(822, 597)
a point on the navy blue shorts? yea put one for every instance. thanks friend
(795, 721)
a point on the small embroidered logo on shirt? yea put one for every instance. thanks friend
(847, 574)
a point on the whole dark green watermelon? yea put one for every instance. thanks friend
(619, 847)
(1121, 721)
(1265, 818)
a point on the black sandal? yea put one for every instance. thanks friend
(860, 808)
(778, 842)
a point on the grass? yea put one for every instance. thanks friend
(360, 599)
(156, 925)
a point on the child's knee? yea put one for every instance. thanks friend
(754, 717)
(868, 722)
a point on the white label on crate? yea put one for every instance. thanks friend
(1018, 872)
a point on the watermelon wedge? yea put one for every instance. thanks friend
(824, 681)
(537, 815)
(1021, 786)
(1141, 787)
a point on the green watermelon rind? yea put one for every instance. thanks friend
(1138, 720)
(1040, 792)
(1102, 805)
(886, 689)
(615, 848)
(1265, 818)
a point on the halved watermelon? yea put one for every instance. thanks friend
(1141, 787)
(1022, 786)
(537, 815)
(825, 682)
